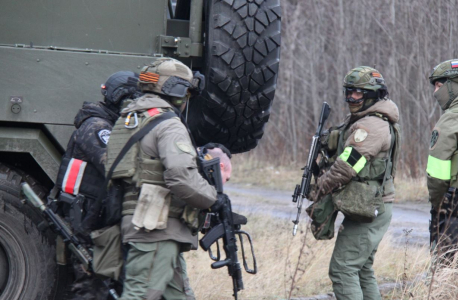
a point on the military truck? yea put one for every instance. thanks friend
(54, 54)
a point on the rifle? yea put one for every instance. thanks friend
(303, 190)
(224, 226)
(60, 228)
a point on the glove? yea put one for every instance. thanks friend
(198, 83)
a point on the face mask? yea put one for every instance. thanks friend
(442, 96)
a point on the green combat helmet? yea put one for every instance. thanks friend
(367, 80)
(168, 77)
(446, 73)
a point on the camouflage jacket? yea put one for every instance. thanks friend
(442, 165)
(89, 141)
(170, 142)
(366, 137)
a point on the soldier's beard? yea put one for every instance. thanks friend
(354, 108)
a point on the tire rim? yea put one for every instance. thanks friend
(12, 279)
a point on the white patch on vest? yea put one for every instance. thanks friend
(360, 135)
(104, 135)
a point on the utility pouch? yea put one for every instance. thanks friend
(73, 208)
(152, 209)
(193, 219)
(359, 201)
(323, 215)
(107, 256)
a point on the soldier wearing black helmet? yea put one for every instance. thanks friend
(442, 167)
(82, 171)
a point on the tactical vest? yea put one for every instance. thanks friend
(374, 170)
(454, 159)
(136, 167)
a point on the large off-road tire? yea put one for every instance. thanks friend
(28, 268)
(242, 52)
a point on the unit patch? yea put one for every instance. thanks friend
(434, 138)
(184, 147)
(104, 135)
(360, 135)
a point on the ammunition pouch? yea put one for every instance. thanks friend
(193, 218)
(152, 209)
(359, 201)
(323, 215)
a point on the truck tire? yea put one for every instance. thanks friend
(242, 53)
(28, 268)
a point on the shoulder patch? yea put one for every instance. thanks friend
(104, 135)
(360, 135)
(184, 147)
(434, 138)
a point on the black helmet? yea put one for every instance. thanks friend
(119, 86)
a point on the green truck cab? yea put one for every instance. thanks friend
(55, 54)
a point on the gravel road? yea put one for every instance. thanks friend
(276, 203)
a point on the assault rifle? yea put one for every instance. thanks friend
(223, 224)
(60, 228)
(303, 190)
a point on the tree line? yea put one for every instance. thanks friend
(323, 40)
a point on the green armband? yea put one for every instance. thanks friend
(355, 159)
(438, 168)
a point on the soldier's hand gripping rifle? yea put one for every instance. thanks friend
(223, 225)
(60, 228)
(303, 190)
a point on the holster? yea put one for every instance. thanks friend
(73, 210)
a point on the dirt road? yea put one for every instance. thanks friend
(406, 216)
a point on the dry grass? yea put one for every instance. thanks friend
(277, 254)
(252, 172)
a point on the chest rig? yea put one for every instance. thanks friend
(135, 167)
(380, 170)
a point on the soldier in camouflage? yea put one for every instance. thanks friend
(364, 143)
(442, 168)
(87, 146)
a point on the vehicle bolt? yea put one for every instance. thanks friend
(138, 67)
(87, 63)
(187, 45)
(16, 108)
(186, 53)
(166, 41)
(34, 110)
(38, 60)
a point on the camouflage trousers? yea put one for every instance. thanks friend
(350, 269)
(86, 286)
(156, 271)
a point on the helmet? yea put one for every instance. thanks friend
(445, 70)
(120, 86)
(447, 73)
(367, 80)
(169, 77)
